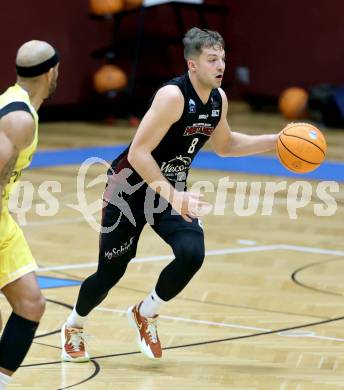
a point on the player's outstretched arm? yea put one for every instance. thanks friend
(229, 143)
(166, 109)
(16, 133)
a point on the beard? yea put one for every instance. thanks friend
(52, 89)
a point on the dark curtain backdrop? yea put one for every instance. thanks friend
(295, 42)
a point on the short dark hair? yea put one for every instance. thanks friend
(196, 39)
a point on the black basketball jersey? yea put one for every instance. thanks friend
(185, 138)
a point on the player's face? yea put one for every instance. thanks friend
(210, 66)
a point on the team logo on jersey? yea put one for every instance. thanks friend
(199, 128)
(181, 176)
(175, 169)
(203, 116)
(192, 106)
(214, 103)
(215, 112)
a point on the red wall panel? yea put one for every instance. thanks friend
(283, 43)
(66, 25)
(296, 42)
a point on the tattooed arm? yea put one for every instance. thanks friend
(16, 133)
(8, 158)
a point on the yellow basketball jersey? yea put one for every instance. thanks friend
(8, 100)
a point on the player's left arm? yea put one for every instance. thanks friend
(229, 143)
(16, 133)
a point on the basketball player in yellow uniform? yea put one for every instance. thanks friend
(37, 71)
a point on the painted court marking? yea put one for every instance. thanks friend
(264, 165)
(298, 333)
(302, 334)
(215, 252)
(149, 259)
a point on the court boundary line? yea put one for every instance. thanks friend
(309, 334)
(215, 252)
(149, 259)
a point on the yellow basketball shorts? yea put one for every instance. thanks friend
(16, 259)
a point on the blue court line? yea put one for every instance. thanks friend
(56, 158)
(258, 165)
(49, 282)
(266, 165)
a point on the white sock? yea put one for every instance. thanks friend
(4, 380)
(75, 320)
(151, 305)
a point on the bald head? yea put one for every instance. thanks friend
(37, 64)
(34, 52)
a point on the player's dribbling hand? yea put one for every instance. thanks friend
(189, 205)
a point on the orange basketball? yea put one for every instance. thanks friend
(131, 4)
(301, 147)
(103, 7)
(109, 78)
(292, 103)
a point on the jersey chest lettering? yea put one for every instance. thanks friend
(186, 137)
(200, 121)
(199, 128)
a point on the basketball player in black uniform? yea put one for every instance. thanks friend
(184, 114)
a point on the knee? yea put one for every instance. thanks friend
(31, 308)
(190, 251)
(40, 306)
(196, 256)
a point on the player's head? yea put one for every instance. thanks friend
(204, 52)
(37, 63)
